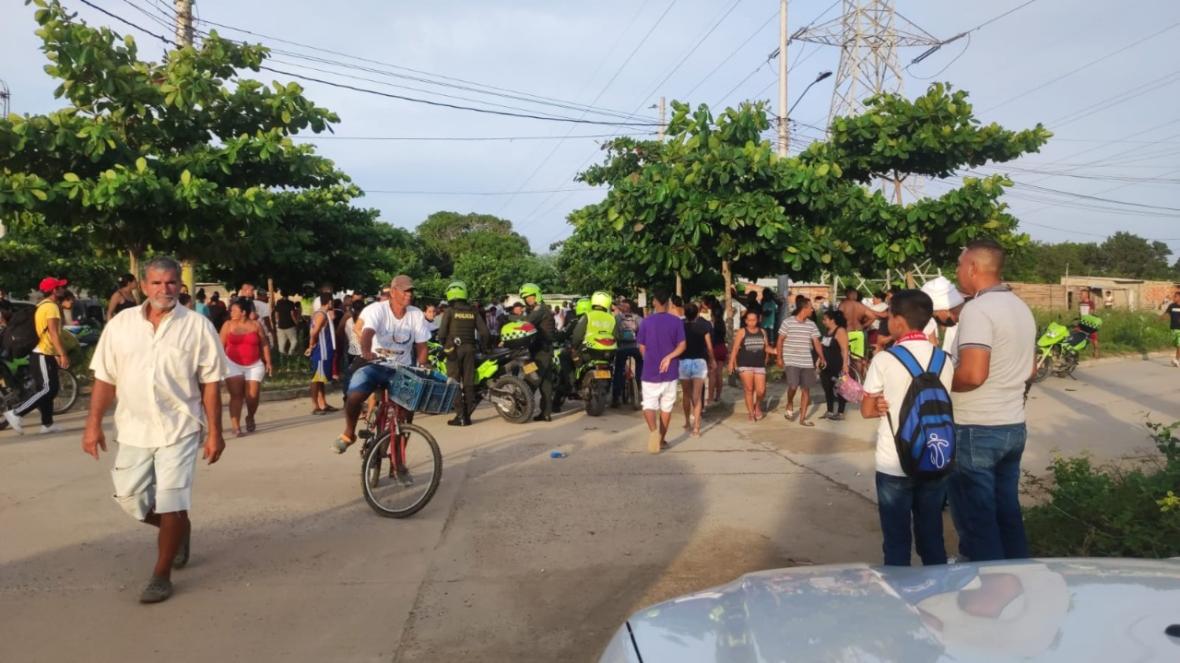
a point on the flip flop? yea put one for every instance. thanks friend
(318, 412)
(341, 444)
(329, 408)
(804, 422)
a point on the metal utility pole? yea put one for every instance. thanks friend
(184, 37)
(868, 33)
(783, 38)
(5, 99)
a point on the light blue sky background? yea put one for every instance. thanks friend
(569, 50)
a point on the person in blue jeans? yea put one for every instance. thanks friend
(904, 502)
(996, 350)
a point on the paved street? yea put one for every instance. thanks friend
(519, 556)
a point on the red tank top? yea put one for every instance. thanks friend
(244, 349)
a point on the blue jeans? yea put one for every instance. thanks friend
(905, 502)
(616, 387)
(984, 492)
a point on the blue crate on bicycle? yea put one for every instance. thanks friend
(422, 390)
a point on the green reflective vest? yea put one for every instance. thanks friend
(600, 331)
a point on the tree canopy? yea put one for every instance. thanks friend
(714, 193)
(182, 156)
(1122, 254)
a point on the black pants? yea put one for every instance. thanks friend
(461, 368)
(833, 400)
(544, 361)
(44, 370)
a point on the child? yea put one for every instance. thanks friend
(903, 501)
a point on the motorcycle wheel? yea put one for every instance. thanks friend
(512, 397)
(599, 393)
(1044, 366)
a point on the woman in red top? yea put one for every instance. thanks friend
(249, 361)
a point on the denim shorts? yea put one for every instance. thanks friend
(693, 369)
(370, 378)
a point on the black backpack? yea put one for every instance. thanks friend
(20, 336)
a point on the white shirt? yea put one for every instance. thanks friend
(949, 335)
(887, 375)
(395, 336)
(998, 321)
(158, 373)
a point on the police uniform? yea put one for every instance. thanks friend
(457, 331)
(541, 317)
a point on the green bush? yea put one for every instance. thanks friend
(1122, 331)
(1109, 510)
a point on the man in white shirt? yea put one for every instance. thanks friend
(948, 304)
(166, 364)
(391, 329)
(995, 355)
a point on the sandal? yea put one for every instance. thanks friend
(329, 408)
(318, 412)
(789, 414)
(804, 422)
(342, 443)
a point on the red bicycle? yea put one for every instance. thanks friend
(401, 464)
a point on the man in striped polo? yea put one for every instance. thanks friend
(797, 338)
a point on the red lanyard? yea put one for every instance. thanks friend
(912, 336)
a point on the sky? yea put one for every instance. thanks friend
(1102, 78)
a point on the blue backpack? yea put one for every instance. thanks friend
(925, 434)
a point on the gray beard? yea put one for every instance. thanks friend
(159, 307)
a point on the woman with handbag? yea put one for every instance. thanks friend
(835, 346)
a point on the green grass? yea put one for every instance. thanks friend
(1123, 332)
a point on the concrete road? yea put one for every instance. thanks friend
(519, 556)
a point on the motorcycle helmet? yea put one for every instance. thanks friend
(530, 289)
(601, 300)
(456, 290)
(582, 307)
(517, 334)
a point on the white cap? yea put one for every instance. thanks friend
(943, 293)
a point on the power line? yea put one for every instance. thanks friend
(471, 139)
(1089, 64)
(691, 50)
(966, 33)
(733, 53)
(460, 83)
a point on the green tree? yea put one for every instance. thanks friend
(1127, 254)
(169, 156)
(29, 254)
(715, 198)
(447, 235)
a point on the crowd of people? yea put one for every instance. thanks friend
(968, 344)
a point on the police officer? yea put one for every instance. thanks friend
(540, 316)
(457, 330)
(598, 324)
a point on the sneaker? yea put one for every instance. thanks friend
(158, 589)
(14, 422)
(50, 429)
(839, 416)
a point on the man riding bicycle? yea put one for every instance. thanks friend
(395, 331)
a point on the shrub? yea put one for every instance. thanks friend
(1109, 510)
(1122, 331)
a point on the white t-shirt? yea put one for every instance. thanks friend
(262, 309)
(395, 336)
(949, 335)
(887, 375)
(998, 321)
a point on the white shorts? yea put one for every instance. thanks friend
(659, 395)
(156, 479)
(253, 373)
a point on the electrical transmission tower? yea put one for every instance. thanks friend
(5, 99)
(868, 33)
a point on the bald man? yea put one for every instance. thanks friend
(996, 353)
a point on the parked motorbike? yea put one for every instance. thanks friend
(16, 386)
(593, 379)
(1060, 347)
(506, 376)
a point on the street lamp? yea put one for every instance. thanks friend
(822, 75)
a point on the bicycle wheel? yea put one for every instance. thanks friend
(400, 492)
(67, 393)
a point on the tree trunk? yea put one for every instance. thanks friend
(679, 286)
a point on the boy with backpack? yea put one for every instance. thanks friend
(908, 387)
